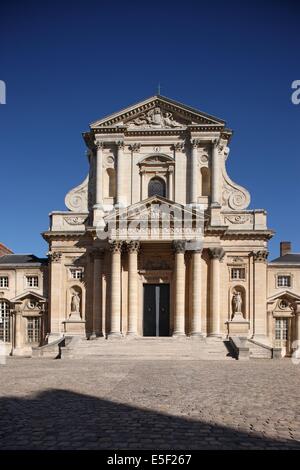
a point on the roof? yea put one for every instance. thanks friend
(289, 258)
(22, 259)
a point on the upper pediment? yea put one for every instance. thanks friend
(157, 112)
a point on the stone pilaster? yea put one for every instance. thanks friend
(18, 333)
(133, 248)
(115, 293)
(56, 292)
(216, 171)
(260, 294)
(99, 176)
(98, 256)
(194, 171)
(171, 184)
(121, 199)
(216, 255)
(179, 307)
(196, 326)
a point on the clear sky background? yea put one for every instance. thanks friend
(68, 63)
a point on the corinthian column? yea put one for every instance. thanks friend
(133, 248)
(18, 339)
(115, 294)
(97, 293)
(179, 308)
(216, 180)
(196, 294)
(121, 199)
(194, 171)
(260, 293)
(216, 255)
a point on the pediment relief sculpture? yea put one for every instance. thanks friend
(156, 118)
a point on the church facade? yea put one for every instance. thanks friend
(159, 241)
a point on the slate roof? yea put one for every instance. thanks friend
(21, 259)
(289, 258)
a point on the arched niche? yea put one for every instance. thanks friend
(109, 183)
(205, 181)
(75, 302)
(242, 291)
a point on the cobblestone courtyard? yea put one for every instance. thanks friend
(95, 403)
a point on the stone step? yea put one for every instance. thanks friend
(149, 348)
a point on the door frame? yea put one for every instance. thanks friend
(170, 308)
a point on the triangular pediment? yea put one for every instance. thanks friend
(283, 294)
(27, 295)
(157, 112)
(154, 207)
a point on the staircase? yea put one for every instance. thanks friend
(258, 351)
(148, 348)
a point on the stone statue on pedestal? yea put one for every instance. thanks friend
(237, 303)
(75, 304)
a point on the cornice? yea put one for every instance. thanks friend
(49, 235)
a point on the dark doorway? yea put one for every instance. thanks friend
(156, 310)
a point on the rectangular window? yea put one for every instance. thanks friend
(4, 321)
(33, 330)
(3, 281)
(238, 273)
(32, 281)
(76, 273)
(284, 281)
(281, 329)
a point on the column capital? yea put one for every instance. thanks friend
(179, 246)
(54, 256)
(197, 250)
(120, 144)
(99, 144)
(133, 246)
(260, 256)
(135, 147)
(217, 253)
(195, 143)
(179, 146)
(115, 246)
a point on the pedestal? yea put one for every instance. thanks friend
(238, 326)
(74, 326)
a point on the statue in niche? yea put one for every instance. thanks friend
(237, 303)
(75, 303)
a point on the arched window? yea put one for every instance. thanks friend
(156, 187)
(5, 333)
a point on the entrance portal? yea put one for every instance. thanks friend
(156, 310)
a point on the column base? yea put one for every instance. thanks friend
(131, 334)
(115, 335)
(197, 335)
(215, 335)
(179, 334)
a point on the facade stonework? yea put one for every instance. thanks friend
(159, 241)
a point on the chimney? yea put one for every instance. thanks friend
(285, 248)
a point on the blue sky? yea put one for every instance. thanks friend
(68, 63)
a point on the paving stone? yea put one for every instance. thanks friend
(101, 403)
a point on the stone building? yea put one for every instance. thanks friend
(157, 241)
